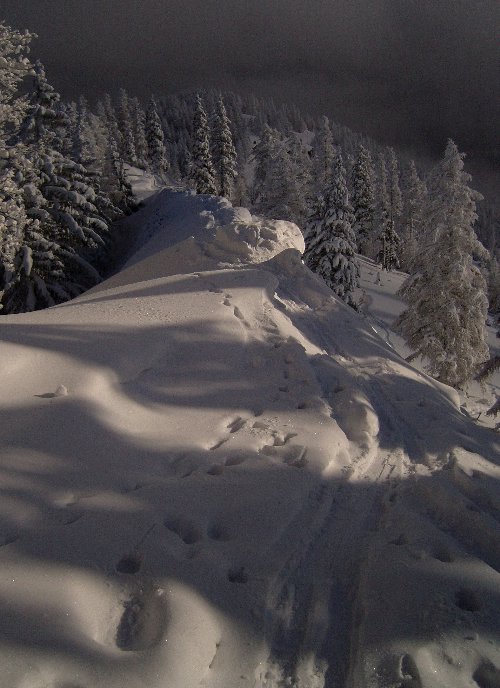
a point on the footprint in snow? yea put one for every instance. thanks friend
(218, 444)
(8, 539)
(185, 529)
(295, 456)
(218, 531)
(130, 563)
(61, 391)
(237, 424)
(409, 673)
(238, 313)
(235, 460)
(142, 622)
(216, 469)
(237, 574)
(487, 675)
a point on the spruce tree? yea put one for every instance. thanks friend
(65, 228)
(138, 117)
(388, 254)
(363, 200)
(323, 153)
(444, 322)
(224, 153)
(155, 140)
(387, 238)
(128, 150)
(113, 180)
(415, 198)
(329, 237)
(263, 152)
(202, 173)
(14, 67)
(394, 192)
(301, 178)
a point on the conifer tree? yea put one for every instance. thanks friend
(444, 322)
(14, 67)
(301, 178)
(387, 239)
(388, 254)
(276, 184)
(323, 154)
(66, 227)
(155, 140)
(395, 198)
(128, 151)
(113, 180)
(363, 200)
(110, 120)
(224, 153)
(329, 237)
(415, 198)
(263, 152)
(494, 285)
(202, 173)
(138, 117)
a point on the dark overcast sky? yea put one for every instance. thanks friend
(410, 73)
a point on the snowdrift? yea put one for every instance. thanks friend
(214, 473)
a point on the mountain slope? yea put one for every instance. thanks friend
(215, 474)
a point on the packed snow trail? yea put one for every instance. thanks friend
(215, 474)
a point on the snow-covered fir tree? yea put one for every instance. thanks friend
(14, 67)
(395, 197)
(223, 151)
(138, 118)
(329, 237)
(444, 322)
(300, 190)
(363, 200)
(202, 173)
(262, 154)
(113, 180)
(155, 140)
(494, 285)
(107, 112)
(13, 223)
(385, 251)
(323, 155)
(414, 200)
(275, 184)
(128, 150)
(282, 178)
(65, 228)
(389, 247)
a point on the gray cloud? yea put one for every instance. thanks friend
(409, 72)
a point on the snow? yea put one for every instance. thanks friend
(214, 473)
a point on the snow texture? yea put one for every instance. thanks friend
(237, 481)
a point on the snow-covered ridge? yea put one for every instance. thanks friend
(216, 474)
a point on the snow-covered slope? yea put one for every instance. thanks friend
(214, 473)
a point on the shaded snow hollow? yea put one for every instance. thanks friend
(215, 474)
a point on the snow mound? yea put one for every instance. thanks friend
(182, 231)
(172, 217)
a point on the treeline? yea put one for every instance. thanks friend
(64, 183)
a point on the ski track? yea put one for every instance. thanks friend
(310, 622)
